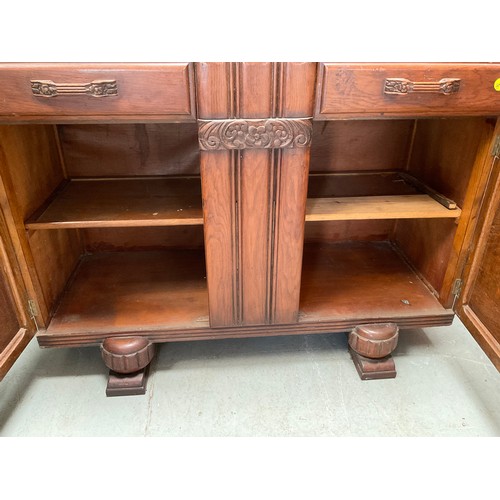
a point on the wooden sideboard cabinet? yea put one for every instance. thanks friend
(151, 203)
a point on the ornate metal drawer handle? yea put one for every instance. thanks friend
(400, 86)
(97, 88)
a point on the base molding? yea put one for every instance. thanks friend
(127, 384)
(373, 369)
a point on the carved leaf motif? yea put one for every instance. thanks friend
(257, 134)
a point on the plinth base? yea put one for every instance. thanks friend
(127, 384)
(373, 369)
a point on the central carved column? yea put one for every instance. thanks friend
(255, 130)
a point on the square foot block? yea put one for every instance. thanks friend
(373, 369)
(127, 384)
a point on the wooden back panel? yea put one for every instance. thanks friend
(142, 238)
(360, 145)
(118, 150)
(349, 230)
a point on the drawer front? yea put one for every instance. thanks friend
(97, 91)
(407, 89)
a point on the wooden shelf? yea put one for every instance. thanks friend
(413, 206)
(362, 282)
(118, 292)
(122, 203)
(374, 196)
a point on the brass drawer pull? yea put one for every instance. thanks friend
(97, 88)
(400, 86)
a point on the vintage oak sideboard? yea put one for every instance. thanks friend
(150, 203)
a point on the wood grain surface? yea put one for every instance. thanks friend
(123, 202)
(134, 291)
(121, 150)
(355, 90)
(359, 279)
(164, 90)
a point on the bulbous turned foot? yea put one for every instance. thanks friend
(371, 347)
(128, 359)
(127, 354)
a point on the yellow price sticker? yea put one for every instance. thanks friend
(496, 85)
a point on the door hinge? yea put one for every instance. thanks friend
(33, 311)
(456, 290)
(495, 152)
(32, 308)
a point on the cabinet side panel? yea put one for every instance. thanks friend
(31, 169)
(289, 234)
(55, 254)
(32, 164)
(443, 154)
(452, 156)
(218, 192)
(427, 244)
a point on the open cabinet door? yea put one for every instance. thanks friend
(16, 326)
(479, 303)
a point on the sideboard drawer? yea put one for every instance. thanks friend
(407, 89)
(96, 91)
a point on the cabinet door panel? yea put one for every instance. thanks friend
(15, 326)
(479, 306)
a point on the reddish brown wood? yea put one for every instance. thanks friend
(445, 150)
(354, 279)
(142, 89)
(123, 150)
(130, 384)
(353, 90)
(479, 304)
(351, 230)
(373, 369)
(427, 243)
(177, 334)
(120, 292)
(255, 279)
(16, 327)
(355, 145)
(123, 203)
(376, 341)
(142, 238)
(145, 283)
(374, 195)
(127, 354)
(219, 222)
(30, 157)
(448, 155)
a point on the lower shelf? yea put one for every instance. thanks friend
(134, 291)
(360, 280)
(163, 295)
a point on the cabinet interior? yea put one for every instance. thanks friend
(114, 211)
(428, 161)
